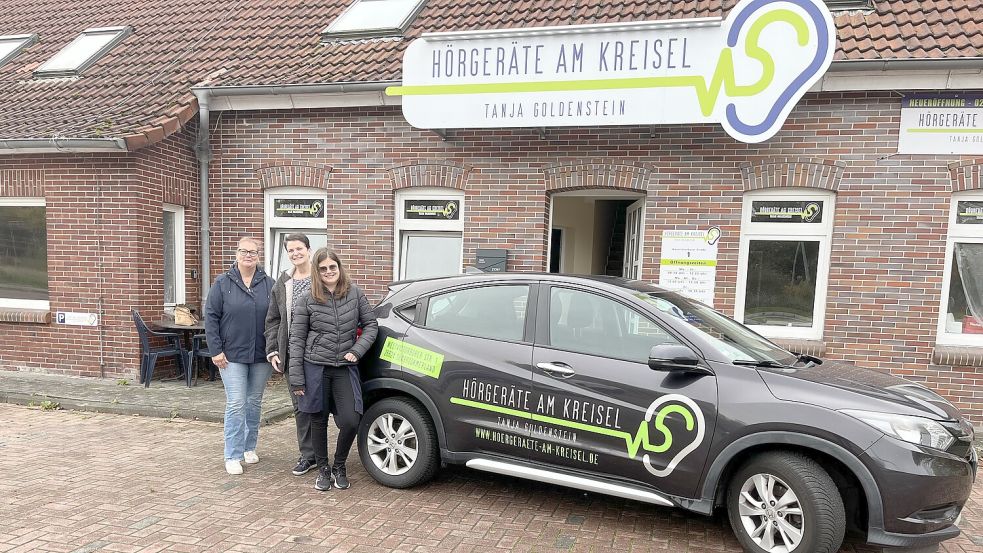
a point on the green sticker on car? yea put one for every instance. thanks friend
(412, 357)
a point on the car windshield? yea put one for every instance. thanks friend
(736, 341)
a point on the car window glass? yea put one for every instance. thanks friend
(587, 323)
(733, 339)
(497, 312)
(407, 312)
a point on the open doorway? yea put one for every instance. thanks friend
(596, 232)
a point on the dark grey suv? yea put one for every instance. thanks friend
(622, 388)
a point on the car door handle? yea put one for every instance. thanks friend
(561, 370)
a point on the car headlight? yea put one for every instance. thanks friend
(916, 430)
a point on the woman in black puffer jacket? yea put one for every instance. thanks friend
(324, 351)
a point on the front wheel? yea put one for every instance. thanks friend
(397, 443)
(780, 502)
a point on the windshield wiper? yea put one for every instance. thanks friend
(768, 363)
(808, 359)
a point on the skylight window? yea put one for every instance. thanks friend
(82, 52)
(10, 46)
(845, 5)
(371, 18)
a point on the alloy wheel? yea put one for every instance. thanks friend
(771, 513)
(392, 444)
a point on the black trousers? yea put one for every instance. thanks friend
(303, 421)
(339, 398)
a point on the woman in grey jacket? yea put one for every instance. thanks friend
(324, 348)
(290, 288)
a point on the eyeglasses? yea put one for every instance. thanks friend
(329, 269)
(247, 253)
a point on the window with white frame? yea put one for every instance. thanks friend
(23, 253)
(82, 52)
(173, 255)
(961, 321)
(11, 45)
(429, 233)
(293, 210)
(784, 262)
(370, 18)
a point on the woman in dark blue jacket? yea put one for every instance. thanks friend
(234, 321)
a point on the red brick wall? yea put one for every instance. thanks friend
(890, 219)
(104, 238)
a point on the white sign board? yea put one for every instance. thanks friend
(746, 72)
(945, 123)
(689, 263)
(77, 319)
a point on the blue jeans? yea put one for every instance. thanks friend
(244, 385)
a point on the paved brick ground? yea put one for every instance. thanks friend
(165, 399)
(84, 482)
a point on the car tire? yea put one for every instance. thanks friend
(397, 443)
(814, 509)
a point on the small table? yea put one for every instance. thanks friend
(187, 335)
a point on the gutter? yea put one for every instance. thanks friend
(283, 89)
(54, 145)
(907, 64)
(204, 155)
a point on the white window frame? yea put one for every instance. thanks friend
(332, 31)
(273, 225)
(820, 232)
(403, 225)
(20, 41)
(52, 68)
(26, 304)
(962, 233)
(179, 253)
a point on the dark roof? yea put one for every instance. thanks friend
(141, 89)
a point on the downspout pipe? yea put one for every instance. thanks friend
(204, 154)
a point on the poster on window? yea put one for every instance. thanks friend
(689, 263)
(305, 208)
(443, 210)
(941, 123)
(969, 213)
(799, 211)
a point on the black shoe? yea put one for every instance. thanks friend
(323, 482)
(340, 477)
(303, 467)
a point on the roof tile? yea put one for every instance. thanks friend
(145, 81)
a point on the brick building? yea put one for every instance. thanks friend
(294, 104)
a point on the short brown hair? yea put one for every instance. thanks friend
(297, 238)
(319, 291)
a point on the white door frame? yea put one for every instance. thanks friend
(632, 268)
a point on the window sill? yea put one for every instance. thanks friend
(815, 348)
(958, 356)
(31, 316)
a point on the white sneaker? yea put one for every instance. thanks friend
(233, 467)
(251, 457)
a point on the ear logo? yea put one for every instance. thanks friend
(693, 417)
(749, 20)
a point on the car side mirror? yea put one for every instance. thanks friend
(675, 357)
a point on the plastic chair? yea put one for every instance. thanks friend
(150, 355)
(201, 354)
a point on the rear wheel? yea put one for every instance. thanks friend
(780, 502)
(397, 443)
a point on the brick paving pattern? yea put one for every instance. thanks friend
(84, 482)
